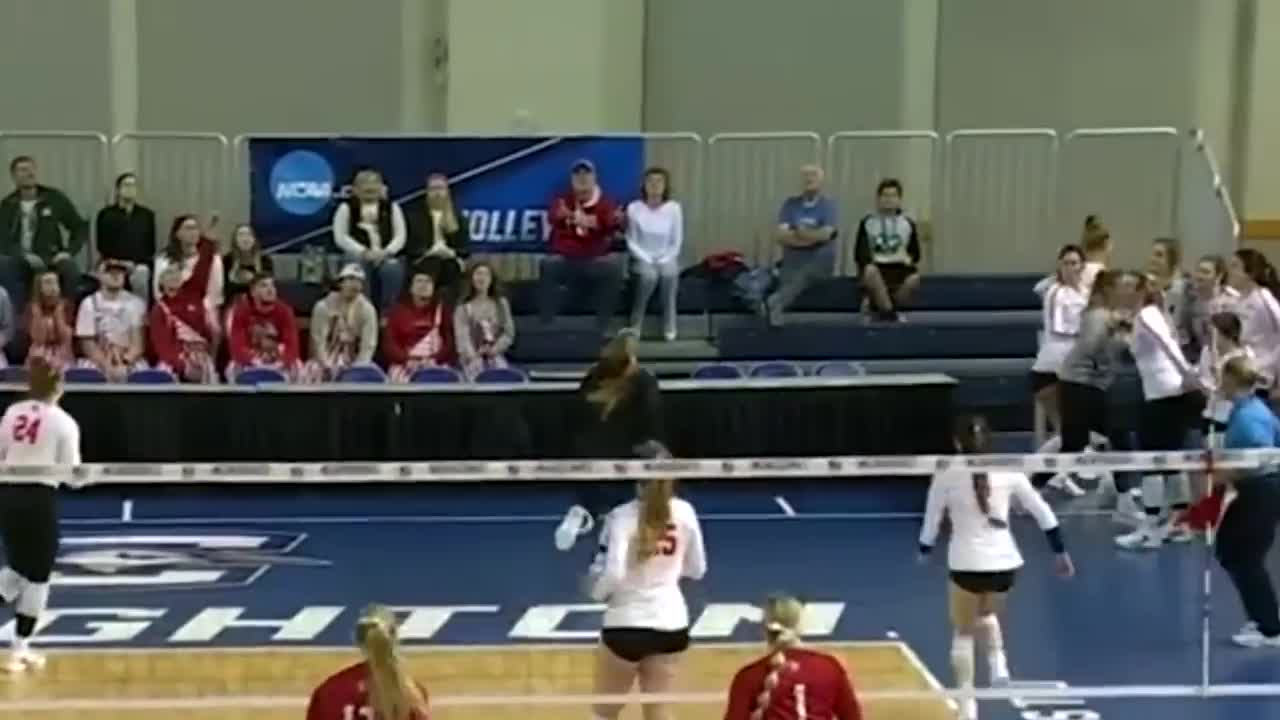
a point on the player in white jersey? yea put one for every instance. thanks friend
(34, 433)
(648, 545)
(983, 556)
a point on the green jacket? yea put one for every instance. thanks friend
(59, 228)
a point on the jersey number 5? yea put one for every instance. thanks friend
(667, 544)
(26, 430)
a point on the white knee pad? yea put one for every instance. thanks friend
(1177, 489)
(1153, 491)
(11, 584)
(32, 601)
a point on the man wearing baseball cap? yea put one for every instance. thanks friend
(583, 225)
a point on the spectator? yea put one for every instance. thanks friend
(419, 331)
(196, 257)
(440, 245)
(244, 262)
(344, 328)
(483, 326)
(182, 336)
(887, 252)
(807, 232)
(8, 325)
(370, 230)
(583, 225)
(655, 234)
(126, 232)
(110, 323)
(263, 332)
(39, 230)
(48, 322)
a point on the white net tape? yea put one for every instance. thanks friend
(571, 470)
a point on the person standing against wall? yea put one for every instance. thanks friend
(807, 233)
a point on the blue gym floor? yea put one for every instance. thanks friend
(172, 570)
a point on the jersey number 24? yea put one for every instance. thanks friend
(26, 429)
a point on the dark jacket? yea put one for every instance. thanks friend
(636, 419)
(127, 234)
(54, 214)
(422, 233)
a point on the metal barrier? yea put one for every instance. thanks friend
(749, 174)
(999, 197)
(858, 161)
(1129, 177)
(181, 173)
(74, 162)
(1207, 223)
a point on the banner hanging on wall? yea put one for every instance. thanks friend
(502, 186)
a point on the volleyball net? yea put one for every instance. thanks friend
(896, 677)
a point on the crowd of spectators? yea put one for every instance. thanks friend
(406, 296)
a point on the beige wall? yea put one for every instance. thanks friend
(54, 56)
(1262, 173)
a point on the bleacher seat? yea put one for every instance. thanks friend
(436, 375)
(839, 368)
(371, 374)
(775, 369)
(555, 345)
(717, 371)
(502, 375)
(83, 375)
(878, 341)
(152, 376)
(260, 376)
(14, 374)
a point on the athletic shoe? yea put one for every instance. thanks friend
(1177, 532)
(577, 521)
(1128, 510)
(1148, 536)
(21, 661)
(999, 669)
(1250, 637)
(968, 709)
(1065, 483)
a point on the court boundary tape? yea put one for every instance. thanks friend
(918, 664)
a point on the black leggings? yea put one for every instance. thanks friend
(1165, 423)
(1246, 535)
(1085, 410)
(29, 526)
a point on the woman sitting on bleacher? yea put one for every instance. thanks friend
(48, 322)
(181, 335)
(263, 332)
(483, 326)
(344, 328)
(195, 253)
(245, 261)
(419, 330)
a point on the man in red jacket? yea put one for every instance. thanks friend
(263, 332)
(583, 225)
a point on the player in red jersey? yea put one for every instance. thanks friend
(792, 682)
(376, 689)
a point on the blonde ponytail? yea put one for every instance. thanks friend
(655, 517)
(392, 694)
(782, 615)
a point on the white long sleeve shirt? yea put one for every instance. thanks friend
(655, 235)
(1158, 355)
(647, 594)
(353, 247)
(1260, 329)
(978, 544)
(1060, 316)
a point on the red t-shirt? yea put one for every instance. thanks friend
(813, 686)
(345, 696)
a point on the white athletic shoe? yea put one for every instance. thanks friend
(968, 709)
(1148, 536)
(21, 661)
(1063, 482)
(1128, 510)
(1250, 637)
(577, 521)
(999, 669)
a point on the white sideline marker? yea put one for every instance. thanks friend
(786, 506)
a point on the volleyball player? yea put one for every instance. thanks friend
(1224, 344)
(377, 688)
(34, 432)
(649, 544)
(1063, 303)
(1171, 406)
(1253, 276)
(792, 682)
(983, 556)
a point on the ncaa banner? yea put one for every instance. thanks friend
(501, 185)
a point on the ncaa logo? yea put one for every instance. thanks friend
(302, 183)
(174, 560)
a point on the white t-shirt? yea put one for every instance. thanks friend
(112, 320)
(647, 594)
(1060, 316)
(978, 544)
(1156, 352)
(33, 432)
(28, 231)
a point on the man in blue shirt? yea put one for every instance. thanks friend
(807, 232)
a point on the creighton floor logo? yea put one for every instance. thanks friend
(174, 560)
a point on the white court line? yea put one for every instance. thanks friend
(930, 679)
(126, 511)
(786, 506)
(497, 519)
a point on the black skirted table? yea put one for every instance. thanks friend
(878, 414)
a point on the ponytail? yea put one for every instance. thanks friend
(973, 435)
(782, 622)
(655, 517)
(392, 694)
